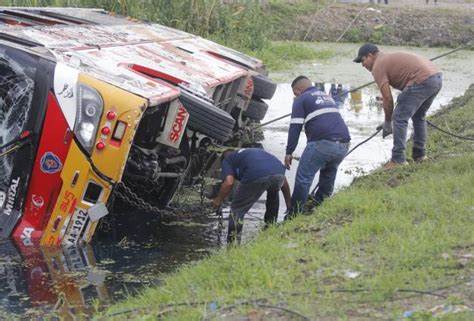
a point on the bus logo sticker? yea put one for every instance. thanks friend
(178, 127)
(37, 201)
(67, 91)
(50, 163)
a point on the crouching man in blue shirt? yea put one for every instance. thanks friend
(257, 171)
(327, 142)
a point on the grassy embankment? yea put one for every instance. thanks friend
(395, 242)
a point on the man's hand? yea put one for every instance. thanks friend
(387, 128)
(216, 203)
(285, 188)
(288, 159)
(225, 189)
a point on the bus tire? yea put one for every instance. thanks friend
(256, 109)
(263, 87)
(206, 118)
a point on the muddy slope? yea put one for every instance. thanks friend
(413, 25)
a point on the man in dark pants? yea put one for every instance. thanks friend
(327, 142)
(257, 171)
(419, 81)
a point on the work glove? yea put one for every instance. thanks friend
(386, 127)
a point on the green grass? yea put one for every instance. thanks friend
(401, 231)
(283, 55)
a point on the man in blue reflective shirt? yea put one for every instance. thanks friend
(257, 171)
(327, 142)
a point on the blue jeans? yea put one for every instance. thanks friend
(324, 156)
(413, 102)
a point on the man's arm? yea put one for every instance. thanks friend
(225, 189)
(285, 188)
(387, 108)
(387, 101)
(296, 124)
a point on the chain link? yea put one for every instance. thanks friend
(125, 193)
(202, 177)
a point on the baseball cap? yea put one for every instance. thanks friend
(364, 50)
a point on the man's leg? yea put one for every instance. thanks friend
(236, 225)
(432, 86)
(245, 197)
(401, 114)
(310, 162)
(272, 203)
(327, 174)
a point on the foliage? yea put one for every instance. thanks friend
(377, 34)
(250, 24)
(354, 35)
(282, 55)
(244, 25)
(240, 25)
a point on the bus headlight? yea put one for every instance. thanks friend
(87, 132)
(91, 107)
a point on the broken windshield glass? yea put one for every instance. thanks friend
(16, 93)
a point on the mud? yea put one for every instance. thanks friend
(412, 23)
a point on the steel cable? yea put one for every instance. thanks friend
(446, 132)
(362, 86)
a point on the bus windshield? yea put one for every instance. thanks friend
(16, 95)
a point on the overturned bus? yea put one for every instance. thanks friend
(84, 106)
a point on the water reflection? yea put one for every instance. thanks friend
(338, 92)
(60, 283)
(66, 283)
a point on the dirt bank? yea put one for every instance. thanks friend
(448, 25)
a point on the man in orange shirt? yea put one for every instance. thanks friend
(419, 81)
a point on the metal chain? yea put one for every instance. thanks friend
(126, 194)
(202, 177)
(202, 188)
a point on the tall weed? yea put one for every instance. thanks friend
(239, 25)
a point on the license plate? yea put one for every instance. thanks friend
(76, 227)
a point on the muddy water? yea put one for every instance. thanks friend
(361, 110)
(37, 283)
(131, 255)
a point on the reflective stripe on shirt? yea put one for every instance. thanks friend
(320, 112)
(297, 121)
